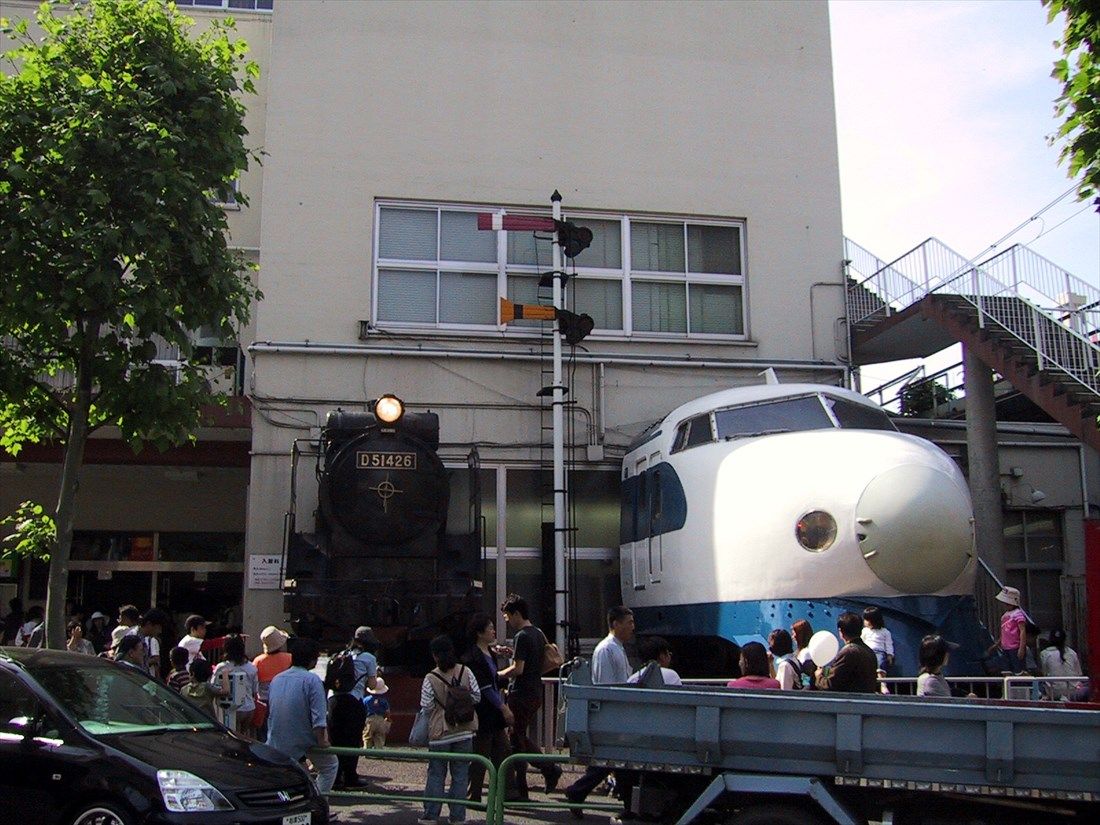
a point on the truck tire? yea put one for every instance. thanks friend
(776, 813)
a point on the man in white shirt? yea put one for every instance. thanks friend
(610, 666)
(128, 616)
(196, 633)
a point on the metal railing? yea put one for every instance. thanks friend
(861, 261)
(1046, 284)
(412, 755)
(1008, 686)
(1039, 304)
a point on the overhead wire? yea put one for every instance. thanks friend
(993, 246)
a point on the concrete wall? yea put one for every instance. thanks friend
(720, 110)
(717, 109)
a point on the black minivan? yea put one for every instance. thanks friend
(86, 741)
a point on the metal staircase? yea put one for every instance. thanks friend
(1027, 318)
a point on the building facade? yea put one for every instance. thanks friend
(161, 528)
(697, 141)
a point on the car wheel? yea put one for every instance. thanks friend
(100, 813)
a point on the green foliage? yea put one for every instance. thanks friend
(31, 532)
(920, 398)
(1079, 73)
(115, 130)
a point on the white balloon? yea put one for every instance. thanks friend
(823, 647)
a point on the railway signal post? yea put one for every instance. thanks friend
(577, 238)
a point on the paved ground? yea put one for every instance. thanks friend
(408, 777)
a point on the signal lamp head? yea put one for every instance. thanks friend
(389, 408)
(816, 531)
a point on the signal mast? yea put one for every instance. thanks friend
(569, 241)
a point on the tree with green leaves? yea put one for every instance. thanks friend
(1078, 70)
(118, 125)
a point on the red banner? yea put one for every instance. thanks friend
(1092, 597)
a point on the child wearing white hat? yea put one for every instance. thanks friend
(377, 707)
(1013, 636)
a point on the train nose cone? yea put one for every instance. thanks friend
(915, 529)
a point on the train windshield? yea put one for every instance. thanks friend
(782, 416)
(852, 416)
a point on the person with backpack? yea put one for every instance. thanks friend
(349, 675)
(450, 695)
(239, 679)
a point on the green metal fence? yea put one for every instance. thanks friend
(496, 794)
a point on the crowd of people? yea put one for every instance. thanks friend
(484, 697)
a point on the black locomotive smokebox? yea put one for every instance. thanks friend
(384, 488)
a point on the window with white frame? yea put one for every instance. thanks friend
(235, 5)
(641, 276)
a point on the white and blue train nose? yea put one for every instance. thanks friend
(914, 530)
(832, 513)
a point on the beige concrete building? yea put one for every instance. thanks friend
(698, 142)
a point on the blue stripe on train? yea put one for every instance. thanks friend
(908, 618)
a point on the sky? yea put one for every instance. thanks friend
(944, 109)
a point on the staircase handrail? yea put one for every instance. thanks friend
(933, 267)
(1053, 342)
(935, 264)
(883, 291)
(856, 255)
(880, 391)
(1051, 283)
(1071, 282)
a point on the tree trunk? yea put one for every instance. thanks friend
(65, 514)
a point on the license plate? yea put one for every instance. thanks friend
(298, 819)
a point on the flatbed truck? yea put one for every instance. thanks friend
(744, 757)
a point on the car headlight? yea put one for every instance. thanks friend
(816, 531)
(184, 792)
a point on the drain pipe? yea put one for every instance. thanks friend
(272, 347)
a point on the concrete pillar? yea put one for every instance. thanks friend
(981, 445)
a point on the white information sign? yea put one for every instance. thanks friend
(265, 572)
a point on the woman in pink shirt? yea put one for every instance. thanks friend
(1013, 638)
(754, 669)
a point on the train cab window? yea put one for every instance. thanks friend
(692, 432)
(782, 416)
(853, 416)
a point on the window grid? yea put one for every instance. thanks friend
(1034, 557)
(673, 311)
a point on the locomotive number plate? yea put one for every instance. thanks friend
(385, 461)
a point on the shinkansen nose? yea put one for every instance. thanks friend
(915, 531)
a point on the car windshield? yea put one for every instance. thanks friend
(111, 700)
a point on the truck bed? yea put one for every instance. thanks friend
(973, 746)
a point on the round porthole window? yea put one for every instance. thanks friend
(816, 531)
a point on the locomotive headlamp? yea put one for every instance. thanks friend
(816, 531)
(389, 408)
